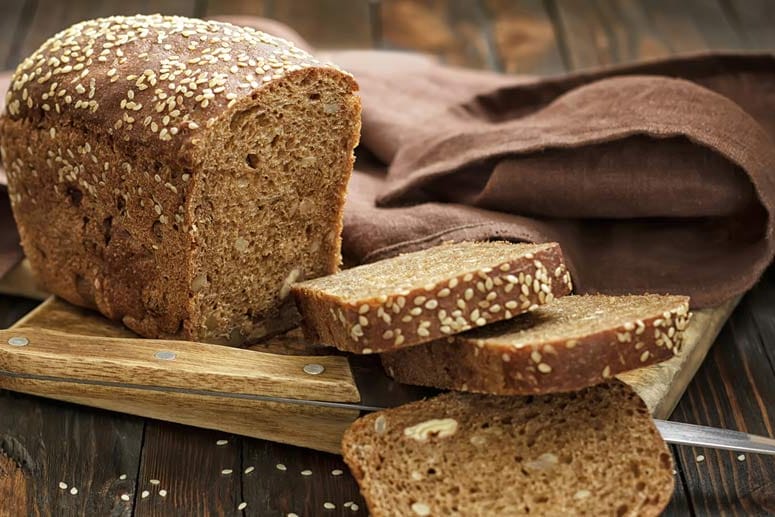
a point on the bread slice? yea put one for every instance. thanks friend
(179, 174)
(425, 295)
(593, 452)
(574, 342)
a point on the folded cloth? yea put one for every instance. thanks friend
(654, 177)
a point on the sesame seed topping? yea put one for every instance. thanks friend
(163, 493)
(107, 43)
(281, 467)
(125, 497)
(155, 482)
(306, 472)
(63, 485)
(544, 368)
(242, 506)
(74, 491)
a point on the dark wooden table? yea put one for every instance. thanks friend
(111, 459)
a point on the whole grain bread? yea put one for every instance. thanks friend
(428, 294)
(592, 452)
(572, 343)
(179, 174)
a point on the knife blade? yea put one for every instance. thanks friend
(702, 436)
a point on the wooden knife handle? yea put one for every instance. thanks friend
(181, 381)
(174, 364)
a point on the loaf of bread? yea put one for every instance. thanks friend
(572, 343)
(593, 452)
(428, 294)
(179, 174)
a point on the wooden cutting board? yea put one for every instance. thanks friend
(661, 386)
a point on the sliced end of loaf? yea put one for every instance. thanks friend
(594, 452)
(268, 203)
(576, 341)
(422, 296)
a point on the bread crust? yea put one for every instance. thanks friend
(468, 362)
(424, 313)
(104, 129)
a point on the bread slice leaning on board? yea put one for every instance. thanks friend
(421, 296)
(591, 452)
(569, 344)
(179, 174)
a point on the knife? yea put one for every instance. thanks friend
(301, 400)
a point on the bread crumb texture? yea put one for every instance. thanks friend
(179, 174)
(592, 452)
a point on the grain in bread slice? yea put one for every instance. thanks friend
(429, 294)
(592, 452)
(574, 342)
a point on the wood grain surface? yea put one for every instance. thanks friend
(45, 442)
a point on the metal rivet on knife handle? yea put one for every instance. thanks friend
(18, 341)
(314, 369)
(165, 355)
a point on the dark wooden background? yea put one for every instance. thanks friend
(47, 442)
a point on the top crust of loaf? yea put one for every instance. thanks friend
(157, 81)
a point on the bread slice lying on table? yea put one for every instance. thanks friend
(429, 294)
(178, 174)
(569, 344)
(592, 452)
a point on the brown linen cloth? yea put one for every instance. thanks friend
(655, 177)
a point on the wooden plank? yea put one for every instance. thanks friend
(326, 23)
(733, 389)
(236, 7)
(12, 26)
(271, 491)
(52, 16)
(524, 37)
(606, 32)
(20, 281)
(762, 307)
(693, 25)
(14, 307)
(13, 487)
(754, 21)
(189, 468)
(455, 31)
(680, 504)
(87, 449)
